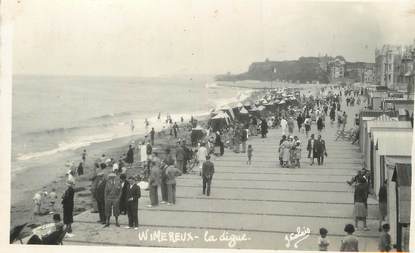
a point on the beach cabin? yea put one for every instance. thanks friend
(387, 142)
(378, 124)
(369, 115)
(399, 176)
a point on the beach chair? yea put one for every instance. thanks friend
(15, 233)
(55, 238)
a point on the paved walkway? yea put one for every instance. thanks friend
(258, 204)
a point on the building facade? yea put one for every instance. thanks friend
(394, 67)
(336, 68)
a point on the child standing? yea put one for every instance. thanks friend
(53, 198)
(249, 151)
(323, 242)
(385, 239)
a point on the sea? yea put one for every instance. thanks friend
(52, 114)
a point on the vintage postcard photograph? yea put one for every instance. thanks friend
(250, 125)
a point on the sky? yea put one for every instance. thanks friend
(172, 37)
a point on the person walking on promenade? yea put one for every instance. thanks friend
(320, 124)
(218, 145)
(339, 119)
(237, 136)
(175, 129)
(171, 173)
(299, 121)
(187, 156)
(133, 194)
(385, 239)
(125, 185)
(332, 115)
(169, 157)
(149, 152)
(152, 133)
(264, 128)
(349, 243)
(320, 150)
(310, 148)
(284, 125)
(249, 151)
(383, 203)
(180, 157)
(280, 150)
(344, 120)
(208, 170)
(68, 205)
(360, 203)
(202, 152)
(112, 198)
(130, 156)
(154, 182)
(285, 148)
(307, 125)
(297, 154)
(290, 124)
(244, 138)
(163, 182)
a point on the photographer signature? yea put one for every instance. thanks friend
(302, 234)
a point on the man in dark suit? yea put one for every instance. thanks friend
(320, 150)
(208, 169)
(112, 198)
(133, 194)
(123, 199)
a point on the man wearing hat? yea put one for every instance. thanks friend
(99, 195)
(112, 198)
(133, 194)
(171, 174)
(163, 181)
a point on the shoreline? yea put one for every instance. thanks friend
(43, 174)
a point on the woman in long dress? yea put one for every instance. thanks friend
(285, 147)
(68, 204)
(130, 156)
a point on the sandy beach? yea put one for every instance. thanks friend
(48, 174)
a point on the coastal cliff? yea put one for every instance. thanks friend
(303, 70)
